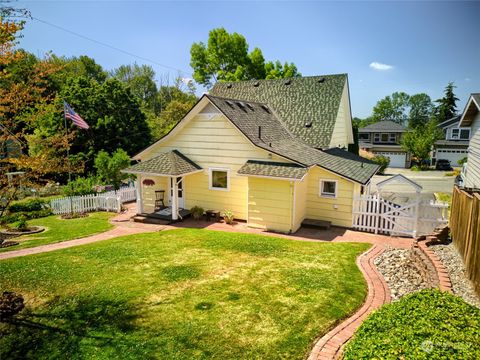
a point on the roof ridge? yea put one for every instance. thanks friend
(281, 79)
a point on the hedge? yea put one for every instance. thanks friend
(14, 217)
(428, 324)
(28, 206)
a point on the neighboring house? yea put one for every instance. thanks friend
(471, 118)
(10, 146)
(383, 138)
(258, 159)
(454, 145)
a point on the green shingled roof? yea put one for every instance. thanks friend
(262, 127)
(298, 101)
(273, 169)
(172, 163)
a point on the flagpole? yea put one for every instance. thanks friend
(66, 134)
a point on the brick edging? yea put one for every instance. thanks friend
(444, 282)
(330, 345)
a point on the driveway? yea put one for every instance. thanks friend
(432, 181)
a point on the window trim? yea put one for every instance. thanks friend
(455, 134)
(392, 138)
(460, 134)
(210, 178)
(328, 195)
(376, 137)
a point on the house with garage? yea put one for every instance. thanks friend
(454, 145)
(470, 118)
(384, 138)
(270, 151)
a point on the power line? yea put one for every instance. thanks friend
(112, 47)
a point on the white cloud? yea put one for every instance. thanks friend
(187, 80)
(381, 67)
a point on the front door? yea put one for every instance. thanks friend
(181, 200)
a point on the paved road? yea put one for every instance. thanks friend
(432, 181)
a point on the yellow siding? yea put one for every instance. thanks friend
(300, 210)
(342, 132)
(148, 192)
(270, 204)
(210, 140)
(336, 210)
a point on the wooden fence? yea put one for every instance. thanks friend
(465, 230)
(108, 201)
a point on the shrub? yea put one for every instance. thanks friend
(429, 324)
(381, 160)
(80, 186)
(462, 161)
(197, 212)
(11, 218)
(21, 224)
(28, 206)
(228, 216)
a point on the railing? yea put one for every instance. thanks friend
(108, 201)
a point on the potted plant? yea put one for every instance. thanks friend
(197, 212)
(228, 216)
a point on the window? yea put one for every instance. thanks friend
(384, 138)
(392, 138)
(219, 179)
(364, 136)
(376, 137)
(328, 188)
(464, 134)
(455, 133)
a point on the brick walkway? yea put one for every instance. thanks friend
(122, 227)
(331, 344)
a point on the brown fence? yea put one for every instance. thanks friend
(465, 228)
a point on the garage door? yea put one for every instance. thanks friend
(397, 160)
(452, 155)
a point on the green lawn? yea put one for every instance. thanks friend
(58, 230)
(181, 294)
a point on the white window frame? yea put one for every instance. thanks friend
(392, 137)
(210, 178)
(376, 137)
(327, 195)
(455, 136)
(460, 134)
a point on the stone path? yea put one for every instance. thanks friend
(331, 344)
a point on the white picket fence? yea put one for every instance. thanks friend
(108, 201)
(372, 213)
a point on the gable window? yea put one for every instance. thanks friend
(328, 188)
(464, 134)
(219, 179)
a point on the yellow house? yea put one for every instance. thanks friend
(269, 151)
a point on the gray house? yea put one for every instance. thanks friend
(383, 138)
(471, 118)
(454, 145)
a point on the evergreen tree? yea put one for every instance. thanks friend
(447, 106)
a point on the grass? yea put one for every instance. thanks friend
(444, 197)
(181, 294)
(425, 325)
(58, 230)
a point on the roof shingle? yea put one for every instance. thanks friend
(298, 101)
(172, 163)
(386, 125)
(273, 169)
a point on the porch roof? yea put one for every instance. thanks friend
(172, 163)
(273, 169)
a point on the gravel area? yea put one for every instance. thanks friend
(401, 275)
(453, 262)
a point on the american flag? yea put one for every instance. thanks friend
(72, 115)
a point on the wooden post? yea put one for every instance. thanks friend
(377, 211)
(174, 199)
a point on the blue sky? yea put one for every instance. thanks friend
(424, 44)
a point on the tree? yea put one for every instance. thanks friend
(419, 140)
(226, 58)
(447, 106)
(140, 79)
(169, 117)
(392, 108)
(421, 109)
(108, 167)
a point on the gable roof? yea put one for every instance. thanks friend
(313, 100)
(471, 109)
(262, 127)
(386, 125)
(452, 121)
(172, 163)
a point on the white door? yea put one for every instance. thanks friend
(397, 160)
(453, 155)
(181, 199)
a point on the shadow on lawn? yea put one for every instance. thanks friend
(66, 327)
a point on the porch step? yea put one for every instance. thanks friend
(150, 220)
(320, 224)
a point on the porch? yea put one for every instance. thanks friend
(164, 216)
